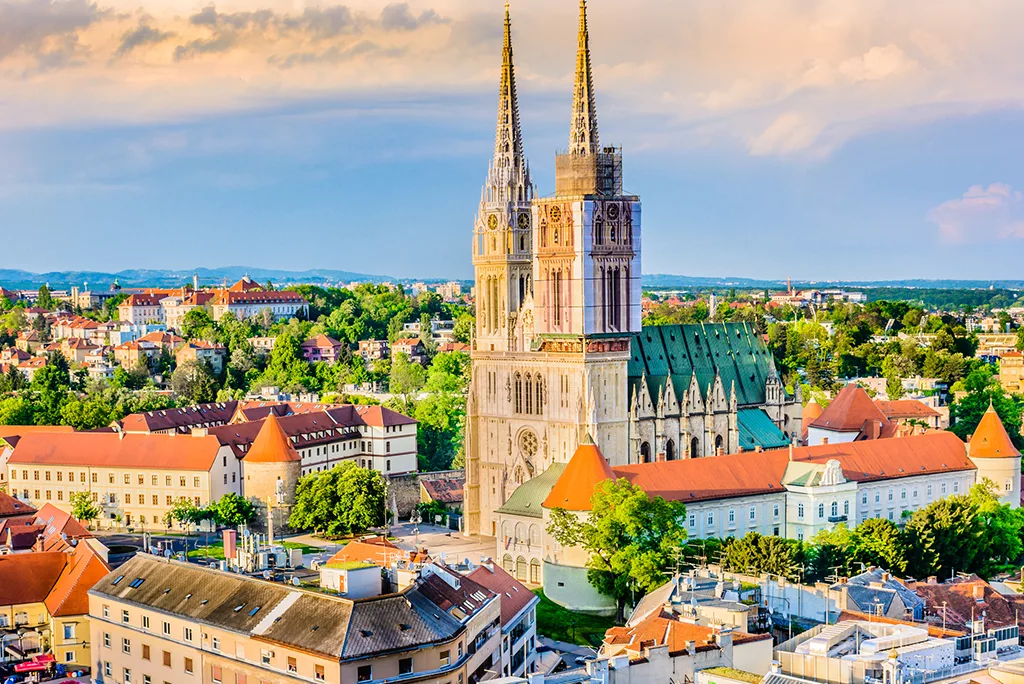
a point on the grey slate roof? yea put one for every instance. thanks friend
(377, 626)
(306, 620)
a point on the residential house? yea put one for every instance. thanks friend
(1011, 372)
(130, 354)
(76, 349)
(29, 368)
(179, 304)
(321, 349)
(28, 341)
(518, 618)
(143, 307)
(44, 604)
(445, 490)
(664, 646)
(263, 345)
(200, 350)
(411, 347)
(374, 350)
(850, 416)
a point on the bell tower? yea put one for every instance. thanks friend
(502, 236)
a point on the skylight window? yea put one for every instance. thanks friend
(118, 580)
(240, 606)
(254, 611)
(137, 582)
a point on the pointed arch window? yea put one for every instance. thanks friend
(540, 396)
(529, 394)
(645, 452)
(670, 450)
(694, 448)
(518, 392)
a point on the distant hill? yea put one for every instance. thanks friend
(17, 279)
(659, 280)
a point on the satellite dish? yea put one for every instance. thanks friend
(296, 582)
(266, 574)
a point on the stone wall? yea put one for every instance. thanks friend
(406, 488)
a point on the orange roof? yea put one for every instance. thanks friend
(906, 408)
(322, 341)
(100, 449)
(22, 430)
(810, 414)
(514, 594)
(749, 473)
(848, 412)
(84, 568)
(377, 550)
(575, 486)
(990, 439)
(29, 577)
(246, 284)
(9, 506)
(272, 444)
(662, 629)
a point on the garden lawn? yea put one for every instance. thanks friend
(556, 622)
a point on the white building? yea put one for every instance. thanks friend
(792, 493)
(518, 619)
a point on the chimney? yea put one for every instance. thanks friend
(791, 451)
(691, 647)
(200, 432)
(824, 440)
(760, 448)
(741, 450)
(932, 579)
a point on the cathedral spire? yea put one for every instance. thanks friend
(508, 141)
(583, 132)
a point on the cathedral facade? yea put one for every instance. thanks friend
(559, 352)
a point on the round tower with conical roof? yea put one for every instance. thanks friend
(992, 451)
(271, 470)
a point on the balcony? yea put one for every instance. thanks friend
(837, 518)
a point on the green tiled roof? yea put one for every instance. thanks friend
(758, 430)
(735, 350)
(527, 499)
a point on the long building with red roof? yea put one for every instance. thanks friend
(794, 493)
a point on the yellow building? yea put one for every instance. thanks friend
(44, 606)
(1011, 372)
(155, 620)
(134, 478)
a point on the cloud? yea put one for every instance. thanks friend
(790, 132)
(396, 16)
(143, 34)
(46, 32)
(981, 215)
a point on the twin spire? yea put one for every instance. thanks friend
(583, 132)
(583, 138)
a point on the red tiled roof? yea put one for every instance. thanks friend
(379, 416)
(468, 598)
(322, 342)
(661, 629)
(848, 412)
(906, 408)
(961, 597)
(29, 577)
(246, 284)
(259, 297)
(271, 444)
(100, 449)
(749, 473)
(180, 419)
(9, 506)
(448, 491)
(575, 486)
(514, 594)
(990, 439)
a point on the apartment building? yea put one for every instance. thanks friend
(155, 620)
(518, 619)
(134, 478)
(44, 606)
(280, 303)
(200, 350)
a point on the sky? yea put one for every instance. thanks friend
(818, 139)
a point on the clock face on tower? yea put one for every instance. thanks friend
(524, 221)
(492, 221)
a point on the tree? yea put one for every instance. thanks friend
(232, 509)
(407, 378)
(41, 326)
(197, 323)
(1003, 527)
(194, 383)
(830, 552)
(629, 537)
(945, 536)
(82, 507)
(44, 301)
(878, 542)
(344, 500)
(52, 383)
(983, 388)
(463, 330)
(757, 553)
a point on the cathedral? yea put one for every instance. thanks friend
(559, 352)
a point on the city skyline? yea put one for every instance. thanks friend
(881, 137)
